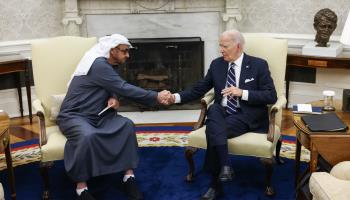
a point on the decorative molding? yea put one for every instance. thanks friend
(71, 20)
(155, 6)
(232, 15)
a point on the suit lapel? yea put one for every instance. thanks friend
(245, 68)
(223, 74)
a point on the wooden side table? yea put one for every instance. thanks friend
(332, 146)
(16, 64)
(5, 146)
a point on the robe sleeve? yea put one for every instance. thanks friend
(103, 75)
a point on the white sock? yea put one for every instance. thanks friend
(127, 176)
(79, 191)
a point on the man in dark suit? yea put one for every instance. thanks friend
(243, 87)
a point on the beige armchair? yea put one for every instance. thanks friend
(331, 186)
(2, 194)
(251, 144)
(54, 61)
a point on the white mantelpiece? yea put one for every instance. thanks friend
(161, 19)
(227, 9)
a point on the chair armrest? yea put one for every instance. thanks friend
(280, 103)
(205, 101)
(40, 112)
(209, 97)
(37, 106)
(278, 106)
(202, 115)
(341, 170)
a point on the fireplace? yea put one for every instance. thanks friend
(163, 64)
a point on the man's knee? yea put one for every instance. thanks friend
(215, 107)
(129, 123)
(129, 127)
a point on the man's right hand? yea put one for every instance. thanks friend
(165, 97)
(113, 102)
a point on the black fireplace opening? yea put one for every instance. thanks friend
(158, 64)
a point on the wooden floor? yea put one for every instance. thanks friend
(22, 130)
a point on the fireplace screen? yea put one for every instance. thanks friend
(163, 64)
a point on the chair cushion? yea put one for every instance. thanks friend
(324, 186)
(54, 148)
(56, 101)
(249, 144)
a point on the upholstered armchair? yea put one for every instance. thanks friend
(54, 60)
(331, 186)
(251, 144)
(2, 195)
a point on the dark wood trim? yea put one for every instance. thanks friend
(5, 146)
(42, 130)
(268, 164)
(271, 131)
(44, 171)
(189, 152)
(297, 60)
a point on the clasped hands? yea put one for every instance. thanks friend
(166, 98)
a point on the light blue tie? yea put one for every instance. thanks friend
(232, 102)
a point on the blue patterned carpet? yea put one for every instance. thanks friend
(161, 177)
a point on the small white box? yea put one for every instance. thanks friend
(332, 50)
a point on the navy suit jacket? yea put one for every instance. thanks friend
(255, 77)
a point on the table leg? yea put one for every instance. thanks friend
(6, 143)
(29, 99)
(313, 159)
(19, 90)
(297, 159)
(287, 85)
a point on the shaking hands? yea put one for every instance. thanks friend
(166, 98)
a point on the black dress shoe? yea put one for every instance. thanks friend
(131, 189)
(85, 195)
(226, 174)
(212, 194)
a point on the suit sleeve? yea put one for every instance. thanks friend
(199, 89)
(104, 76)
(266, 92)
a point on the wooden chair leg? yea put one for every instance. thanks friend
(278, 149)
(44, 171)
(189, 151)
(268, 163)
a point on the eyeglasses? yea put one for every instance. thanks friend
(125, 51)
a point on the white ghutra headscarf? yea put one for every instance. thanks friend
(101, 49)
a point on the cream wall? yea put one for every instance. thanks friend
(292, 16)
(29, 19)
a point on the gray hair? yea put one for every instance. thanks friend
(236, 36)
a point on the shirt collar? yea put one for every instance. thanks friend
(238, 61)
